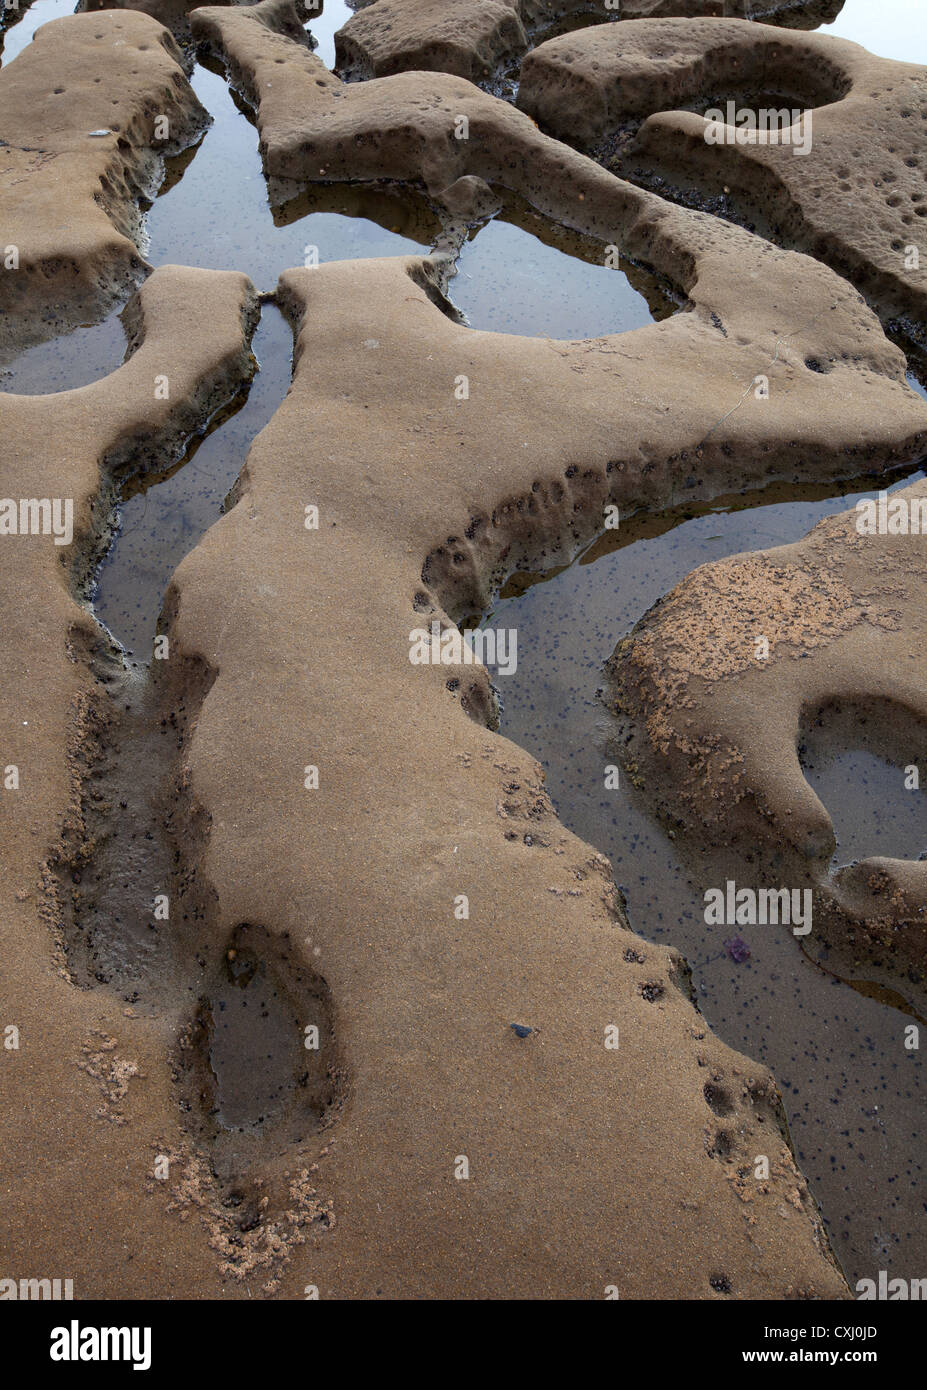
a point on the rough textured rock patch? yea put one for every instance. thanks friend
(857, 200)
(715, 729)
(472, 37)
(587, 1167)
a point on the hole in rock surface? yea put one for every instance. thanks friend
(865, 764)
(254, 1029)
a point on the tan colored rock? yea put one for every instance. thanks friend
(86, 1093)
(351, 892)
(314, 128)
(471, 38)
(78, 111)
(857, 199)
(715, 728)
(173, 14)
(284, 640)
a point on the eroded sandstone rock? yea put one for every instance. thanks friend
(88, 110)
(173, 14)
(436, 129)
(714, 725)
(471, 38)
(421, 1154)
(846, 183)
(451, 1123)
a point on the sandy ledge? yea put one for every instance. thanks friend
(113, 74)
(471, 38)
(306, 648)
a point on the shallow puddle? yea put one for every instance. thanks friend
(62, 364)
(853, 1094)
(863, 759)
(511, 282)
(214, 210)
(877, 807)
(323, 26)
(251, 1008)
